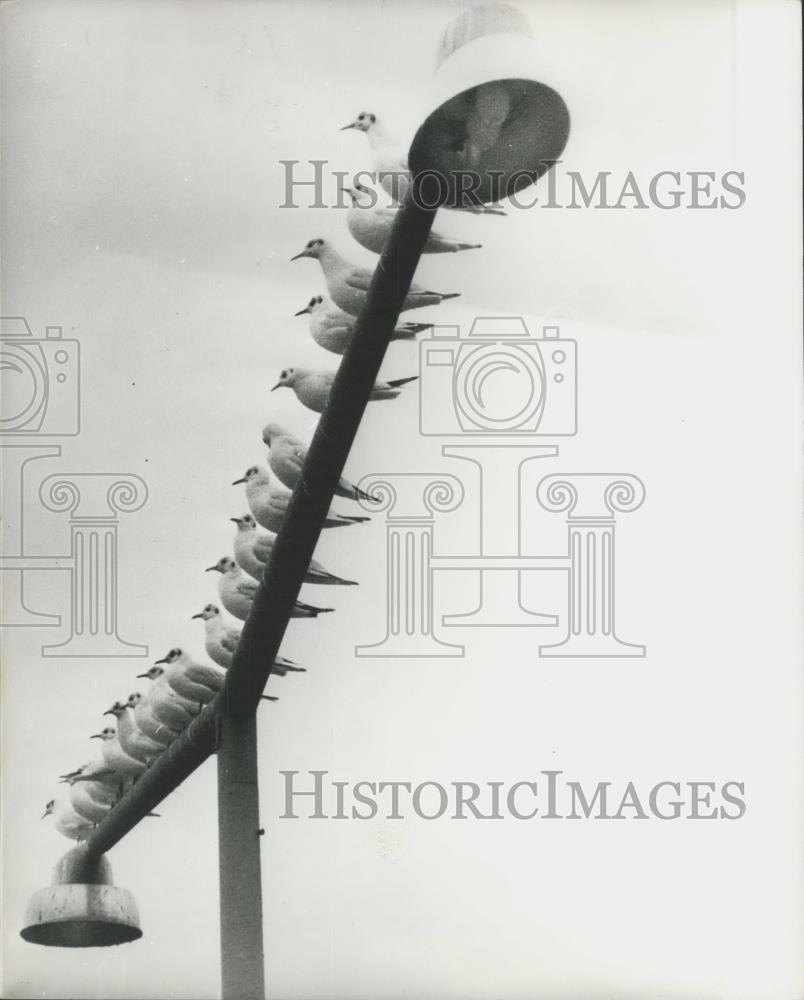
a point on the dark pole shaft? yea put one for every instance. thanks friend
(242, 966)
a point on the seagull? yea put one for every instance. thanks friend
(391, 164)
(116, 757)
(101, 781)
(286, 455)
(237, 591)
(165, 704)
(253, 548)
(68, 822)
(332, 328)
(370, 224)
(133, 741)
(196, 682)
(269, 504)
(147, 722)
(222, 640)
(348, 285)
(312, 388)
(86, 805)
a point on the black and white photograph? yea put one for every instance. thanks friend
(401, 418)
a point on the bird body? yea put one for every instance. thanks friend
(348, 285)
(116, 757)
(131, 738)
(269, 504)
(220, 639)
(147, 722)
(86, 805)
(237, 592)
(313, 387)
(371, 225)
(286, 455)
(197, 682)
(333, 329)
(68, 822)
(253, 548)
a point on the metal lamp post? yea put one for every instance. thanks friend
(494, 121)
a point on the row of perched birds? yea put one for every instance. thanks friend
(180, 686)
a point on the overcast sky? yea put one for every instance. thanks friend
(141, 193)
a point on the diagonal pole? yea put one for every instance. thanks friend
(228, 724)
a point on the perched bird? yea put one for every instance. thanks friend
(126, 766)
(147, 722)
(252, 550)
(101, 782)
(269, 504)
(67, 820)
(371, 224)
(348, 285)
(167, 704)
(391, 164)
(222, 640)
(312, 388)
(286, 455)
(131, 738)
(84, 803)
(237, 592)
(196, 682)
(332, 328)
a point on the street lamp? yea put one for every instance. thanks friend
(492, 118)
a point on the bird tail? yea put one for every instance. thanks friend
(468, 246)
(268, 697)
(355, 520)
(413, 328)
(397, 382)
(359, 494)
(312, 609)
(449, 295)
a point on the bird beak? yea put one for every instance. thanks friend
(345, 191)
(346, 127)
(209, 569)
(237, 482)
(164, 660)
(141, 675)
(277, 386)
(109, 711)
(95, 736)
(236, 521)
(45, 813)
(199, 615)
(302, 254)
(302, 312)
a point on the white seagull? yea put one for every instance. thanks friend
(313, 387)
(333, 329)
(286, 455)
(253, 548)
(116, 757)
(348, 285)
(131, 738)
(237, 592)
(391, 163)
(194, 681)
(86, 805)
(222, 640)
(67, 820)
(154, 728)
(370, 224)
(269, 504)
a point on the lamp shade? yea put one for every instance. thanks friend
(495, 127)
(81, 908)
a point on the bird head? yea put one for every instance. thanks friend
(244, 523)
(152, 674)
(252, 472)
(223, 565)
(171, 657)
(287, 378)
(48, 809)
(362, 123)
(271, 432)
(210, 611)
(133, 699)
(311, 306)
(108, 733)
(312, 249)
(117, 709)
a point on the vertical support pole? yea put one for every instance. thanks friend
(242, 966)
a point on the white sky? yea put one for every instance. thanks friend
(141, 187)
